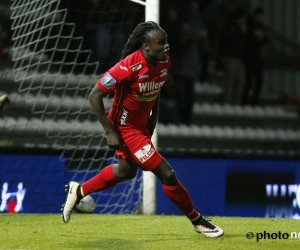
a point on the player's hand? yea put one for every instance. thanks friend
(113, 140)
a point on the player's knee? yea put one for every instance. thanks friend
(126, 175)
(169, 178)
(124, 170)
(166, 174)
(130, 175)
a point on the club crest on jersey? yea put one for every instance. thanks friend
(145, 153)
(164, 72)
(136, 67)
(107, 81)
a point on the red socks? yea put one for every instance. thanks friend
(177, 193)
(180, 197)
(104, 180)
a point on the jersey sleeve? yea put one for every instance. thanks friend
(118, 74)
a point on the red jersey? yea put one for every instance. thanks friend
(136, 85)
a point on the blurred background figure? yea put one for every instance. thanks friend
(257, 38)
(168, 107)
(110, 37)
(232, 45)
(185, 71)
(196, 20)
(5, 35)
(168, 112)
(171, 23)
(102, 32)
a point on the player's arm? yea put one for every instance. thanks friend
(154, 116)
(96, 100)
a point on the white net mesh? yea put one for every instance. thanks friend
(59, 49)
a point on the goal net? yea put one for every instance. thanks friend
(59, 50)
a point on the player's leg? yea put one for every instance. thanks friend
(146, 156)
(106, 178)
(177, 193)
(110, 176)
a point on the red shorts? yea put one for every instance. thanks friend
(139, 148)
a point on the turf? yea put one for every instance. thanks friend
(137, 232)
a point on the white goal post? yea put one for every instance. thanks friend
(149, 179)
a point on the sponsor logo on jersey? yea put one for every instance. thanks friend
(145, 153)
(143, 76)
(123, 67)
(136, 67)
(148, 86)
(149, 90)
(107, 81)
(123, 116)
(164, 72)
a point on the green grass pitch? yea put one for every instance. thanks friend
(139, 232)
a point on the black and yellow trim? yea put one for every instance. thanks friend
(145, 99)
